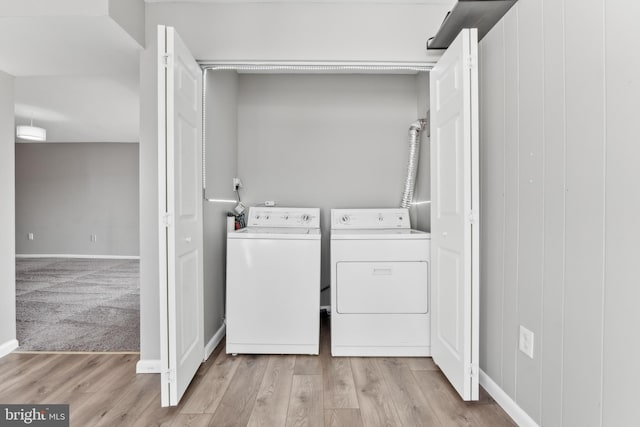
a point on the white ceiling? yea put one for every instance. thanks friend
(77, 75)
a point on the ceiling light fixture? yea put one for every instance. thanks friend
(31, 132)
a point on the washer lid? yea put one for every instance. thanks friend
(273, 233)
(379, 234)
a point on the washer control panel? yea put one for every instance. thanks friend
(260, 216)
(369, 218)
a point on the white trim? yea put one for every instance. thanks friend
(84, 141)
(162, 82)
(371, 67)
(215, 340)
(77, 256)
(73, 352)
(151, 366)
(8, 347)
(506, 402)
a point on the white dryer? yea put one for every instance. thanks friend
(379, 284)
(273, 282)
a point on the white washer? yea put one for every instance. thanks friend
(379, 284)
(273, 282)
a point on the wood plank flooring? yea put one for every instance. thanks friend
(249, 390)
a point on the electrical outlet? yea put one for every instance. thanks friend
(526, 341)
(236, 184)
(94, 237)
(30, 236)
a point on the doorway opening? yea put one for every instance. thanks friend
(77, 266)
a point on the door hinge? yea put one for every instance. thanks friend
(166, 58)
(472, 371)
(472, 216)
(170, 375)
(167, 219)
(470, 62)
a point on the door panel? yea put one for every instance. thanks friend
(449, 291)
(187, 153)
(180, 205)
(448, 140)
(454, 227)
(187, 267)
(382, 287)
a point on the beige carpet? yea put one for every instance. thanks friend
(78, 304)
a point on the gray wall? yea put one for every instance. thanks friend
(221, 167)
(421, 212)
(7, 212)
(149, 290)
(67, 192)
(255, 31)
(559, 103)
(327, 141)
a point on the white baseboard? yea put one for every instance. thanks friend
(148, 367)
(153, 366)
(8, 347)
(77, 256)
(506, 402)
(214, 341)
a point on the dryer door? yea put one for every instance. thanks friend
(382, 287)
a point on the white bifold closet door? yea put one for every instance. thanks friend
(180, 210)
(454, 214)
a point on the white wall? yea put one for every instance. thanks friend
(67, 192)
(129, 14)
(267, 31)
(622, 228)
(559, 100)
(7, 212)
(49, 8)
(290, 30)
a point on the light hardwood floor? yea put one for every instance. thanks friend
(248, 390)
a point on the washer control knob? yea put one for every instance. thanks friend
(380, 218)
(305, 218)
(266, 217)
(345, 219)
(285, 217)
(257, 216)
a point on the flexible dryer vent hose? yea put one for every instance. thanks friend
(414, 156)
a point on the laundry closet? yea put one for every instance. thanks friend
(328, 136)
(304, 138)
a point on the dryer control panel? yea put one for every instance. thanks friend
(354, 219)
(260, 216)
